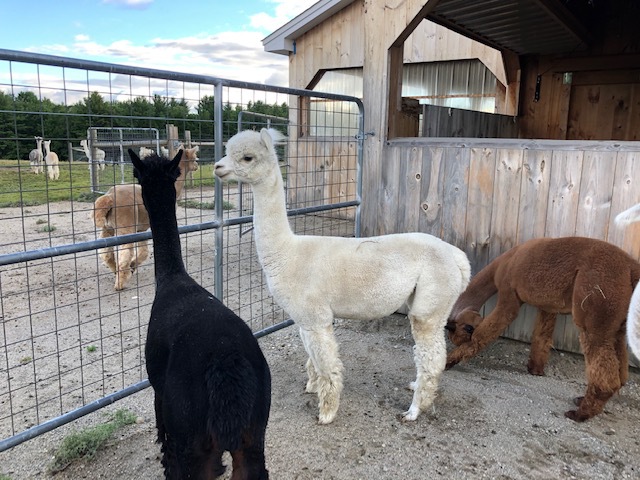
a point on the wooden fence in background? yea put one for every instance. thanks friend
(457, 122)
(486, 196)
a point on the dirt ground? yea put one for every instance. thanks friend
(490, 420)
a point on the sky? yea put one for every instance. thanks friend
(221, 38)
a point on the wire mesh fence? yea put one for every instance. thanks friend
(70, 341)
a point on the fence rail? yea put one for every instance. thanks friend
(69, 342)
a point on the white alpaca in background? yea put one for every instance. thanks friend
(51, 159)
(317, 278)
(145, 152)
(100, 155)
(625, 218)
(36, 158)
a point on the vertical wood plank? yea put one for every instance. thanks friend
(594, 205)
(456, 178)
(482, 169)
(408, 213)
(389, 207)
(431, 195)
(504, 220)
(534, 195)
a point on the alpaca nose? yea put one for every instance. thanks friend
(219, 169)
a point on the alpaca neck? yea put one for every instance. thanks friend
(180, 179)
(166, 239)
(480, 289)
(272, 230)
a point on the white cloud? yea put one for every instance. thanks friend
(285, 10)
(81, 38)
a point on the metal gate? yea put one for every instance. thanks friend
(69, 342)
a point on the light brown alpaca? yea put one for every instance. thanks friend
(590, 279)
(121, 211)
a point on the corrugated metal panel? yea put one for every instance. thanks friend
(522, 26)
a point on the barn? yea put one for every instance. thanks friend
(558, 155)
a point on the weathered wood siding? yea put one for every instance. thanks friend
(339, 42)
(456, 122)
(486, 196)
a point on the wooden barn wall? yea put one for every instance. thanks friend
(591, 105)
(455, 122)
(488, 196)
(322, 172)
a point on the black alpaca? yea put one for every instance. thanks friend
(211, 381)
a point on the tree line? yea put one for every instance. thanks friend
(24, 116)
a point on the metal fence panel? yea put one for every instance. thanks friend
(69, 342)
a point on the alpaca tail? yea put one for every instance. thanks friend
(232, 385)
(465, 267)
(101, 209)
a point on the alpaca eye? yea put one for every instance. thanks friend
(247, 158)
(469, 329)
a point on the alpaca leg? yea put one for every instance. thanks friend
(312, 382)
(322, 348)
(603, 377)
(489, 329)
(249, 462)
(106, 254)
(429, 353)
(108, 258)
(142, 253)
(541, 342)
(124, 255)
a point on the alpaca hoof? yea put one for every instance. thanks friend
(535, 371)
(311, 387)
(451, 364)
(326, 418)
(573, 415)
(411, 415)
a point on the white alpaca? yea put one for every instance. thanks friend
(51, 159)
(36, 158)
(315, 279)
(100, 155)
(625, 218)
(145, 152)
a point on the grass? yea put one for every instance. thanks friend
(86, 443)
(20, 187)
(204, 205)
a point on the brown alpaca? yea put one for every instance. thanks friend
(121, 211)
(590, 279)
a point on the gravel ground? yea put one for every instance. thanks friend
(490, 420)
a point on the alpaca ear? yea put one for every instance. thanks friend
(176, 160)
(135, 159)
(265, 136)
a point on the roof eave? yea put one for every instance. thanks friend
(282, 40)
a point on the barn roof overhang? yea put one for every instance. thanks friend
(523, 27)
